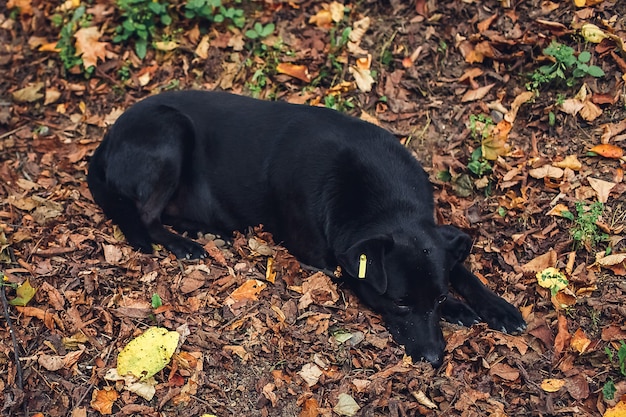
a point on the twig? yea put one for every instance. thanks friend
(16, 354)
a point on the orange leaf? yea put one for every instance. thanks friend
(102, 400)
(608, 151)
(300, 72)
(580, 342)
(248, 291)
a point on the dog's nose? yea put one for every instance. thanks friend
(435, 359)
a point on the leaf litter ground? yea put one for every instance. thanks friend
(262, 336)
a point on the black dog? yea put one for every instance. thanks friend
(335, 190)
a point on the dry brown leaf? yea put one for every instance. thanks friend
(29, 93)
(319, 289)
(311, 373)
(504, 371)
(522, 98)
(202, 50)
(558, 210)
(562, 337)
(546, 171)
(88, 47)
(477, 94)
(610, 130)
(363, 78)
(541, 262)
(239, 351)
(336, 11)
(602, 188)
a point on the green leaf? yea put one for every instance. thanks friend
(141, 48)
(609, 390)
(166, 19)
(268, 29)
(156, 301)
(595, 71)
(584, 57)
(251, 34)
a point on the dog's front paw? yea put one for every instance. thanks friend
(502, 316)
(186, 249)
(457, 312)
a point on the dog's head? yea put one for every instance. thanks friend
(404, 277)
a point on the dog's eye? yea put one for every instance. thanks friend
(442, 298)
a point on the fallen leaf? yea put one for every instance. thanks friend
(336, 11)
(148, 353)
(88, 47)
(301, 72)
(311, 373)
(570, 162)
(504, 371)
(424, 400)
(346, 406)
(239, 351)
(552, 384)
(618, 411)
(608, 150)
(322, 19)
(563, 337)
(363, 78)
(602, 188)
(552, 279)
(102, 400)
(591, 32)
(248, 290)
(541, 262)
(477, 94)
(25, 292)
(558, 210)
(522, 98)
(546, 171)
(28, 94)
(580, 342)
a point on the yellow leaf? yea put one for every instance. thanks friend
(494, 144)
(165, 45)
(552, 278)
(558, 210)
(592, 33)
(148, 353)
(336, 11)
(570, 162)
(552, 384)
(25, 292)
(88, 47)
(580, 3)
(618, 411)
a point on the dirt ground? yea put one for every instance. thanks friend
(259, 335)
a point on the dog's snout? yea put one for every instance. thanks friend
(434, 358)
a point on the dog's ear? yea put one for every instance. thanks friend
(458, 243)
(366, 260)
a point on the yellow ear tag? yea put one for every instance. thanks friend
(362, 265)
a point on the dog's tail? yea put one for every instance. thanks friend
(118, 207)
